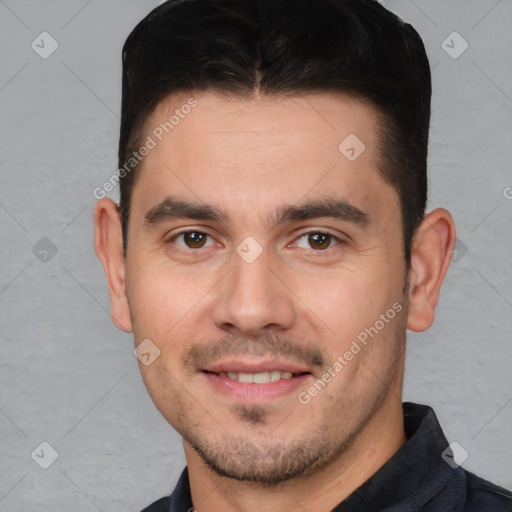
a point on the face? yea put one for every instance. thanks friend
(265, 262)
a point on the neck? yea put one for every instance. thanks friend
(321, 491)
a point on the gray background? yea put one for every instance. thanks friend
(69, 377)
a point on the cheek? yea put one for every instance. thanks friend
(350, 303)
(168, 308)
(345, 297)
(160, 295)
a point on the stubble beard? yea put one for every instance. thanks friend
(267, 464)
(264, 463)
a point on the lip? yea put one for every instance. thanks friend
(255, 366)
(254, 393)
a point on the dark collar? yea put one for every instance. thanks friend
(416, 475)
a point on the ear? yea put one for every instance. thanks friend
(108, 244)
(430, 258)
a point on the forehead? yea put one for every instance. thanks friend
(318, 121)
(247, 154)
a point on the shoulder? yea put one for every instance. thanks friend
(485, 496)
(162, 505)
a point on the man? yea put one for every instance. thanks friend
(271, 248)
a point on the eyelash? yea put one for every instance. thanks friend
(306, 233)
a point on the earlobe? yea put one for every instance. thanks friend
(108, 244)
(431, 254)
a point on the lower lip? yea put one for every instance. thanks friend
(252, 392)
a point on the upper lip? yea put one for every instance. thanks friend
(237, 365)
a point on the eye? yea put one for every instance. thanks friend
(317, 240)
(191, 240)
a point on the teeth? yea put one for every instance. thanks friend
(245, 377)
(259, 378)
(275, 375)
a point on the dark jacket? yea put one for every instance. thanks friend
(421, 476)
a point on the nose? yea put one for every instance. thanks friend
(254, 299)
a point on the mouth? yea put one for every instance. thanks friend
(256, 383)
(260, 377)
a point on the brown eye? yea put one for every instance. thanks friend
(191, 242)
(194, 239)
(319, 241)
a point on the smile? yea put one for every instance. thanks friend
(258, 378)
(259, 386)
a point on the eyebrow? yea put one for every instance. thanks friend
(338, 209)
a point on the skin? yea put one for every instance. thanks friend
(300, 302)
